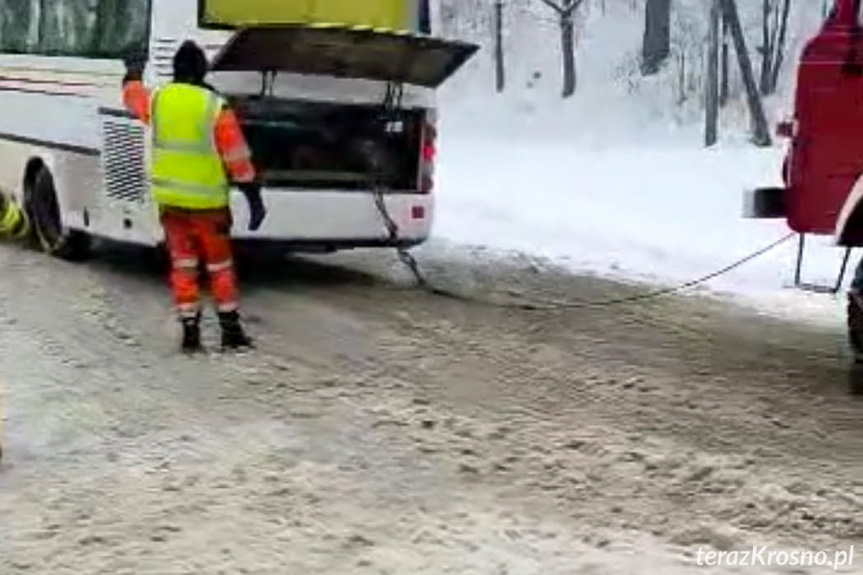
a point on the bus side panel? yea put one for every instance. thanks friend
(13, 164)
(77, 179)
(77, 182)
(48, 115)
(125, 211)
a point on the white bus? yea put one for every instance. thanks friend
(309, 97)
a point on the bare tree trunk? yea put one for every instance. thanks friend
(656, 45)
(726, 71)
(761, 134)
(567, 38)
(500, 67)
(766, 48)
(566, 10)
(780, 47)
(712, 88)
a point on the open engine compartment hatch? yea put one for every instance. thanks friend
(344, 52)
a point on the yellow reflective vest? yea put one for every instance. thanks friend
(186, 167)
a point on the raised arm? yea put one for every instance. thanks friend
(136, 98)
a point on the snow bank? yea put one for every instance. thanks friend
(663, 214)
(615, 180)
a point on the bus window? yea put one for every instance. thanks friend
(77, 28)
(425, 24)
(121, 26)
(65, 28)
(18, 25)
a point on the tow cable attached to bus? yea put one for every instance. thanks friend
(390, 107)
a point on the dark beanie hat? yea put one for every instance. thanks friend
(190, 63)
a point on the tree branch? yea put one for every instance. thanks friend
(774, 40)
(570, 10)
(553, 6)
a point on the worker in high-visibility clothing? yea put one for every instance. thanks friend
(13, 220)
(198, 152)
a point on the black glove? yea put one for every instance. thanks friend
(135, 64)
(257, 210)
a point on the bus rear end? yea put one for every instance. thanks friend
(328, 157)
(341, 121)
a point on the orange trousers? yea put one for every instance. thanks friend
(193, 238)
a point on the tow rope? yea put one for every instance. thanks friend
(390, 107)
(412, 265)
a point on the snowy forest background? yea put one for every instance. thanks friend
(619, 95)
(606, 170)
(623, 87)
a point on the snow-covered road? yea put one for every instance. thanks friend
(381, 430)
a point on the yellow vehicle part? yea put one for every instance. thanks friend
(378, 14)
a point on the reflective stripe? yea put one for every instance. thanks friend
(186, 264)
(238, 154)
(221, 266)
(188, 310)
(185, 187)
(228, 307)
(182, 147)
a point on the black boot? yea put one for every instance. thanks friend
(192, 335)
(855, 324)
(233, 336)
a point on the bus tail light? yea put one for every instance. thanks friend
(428, 152)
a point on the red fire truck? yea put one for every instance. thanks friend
(822, 191)
(822, 186)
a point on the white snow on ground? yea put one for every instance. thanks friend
(616, 180)
(667, 214)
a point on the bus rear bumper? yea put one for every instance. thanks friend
(334, 220)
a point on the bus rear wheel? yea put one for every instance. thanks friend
(49, 233)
